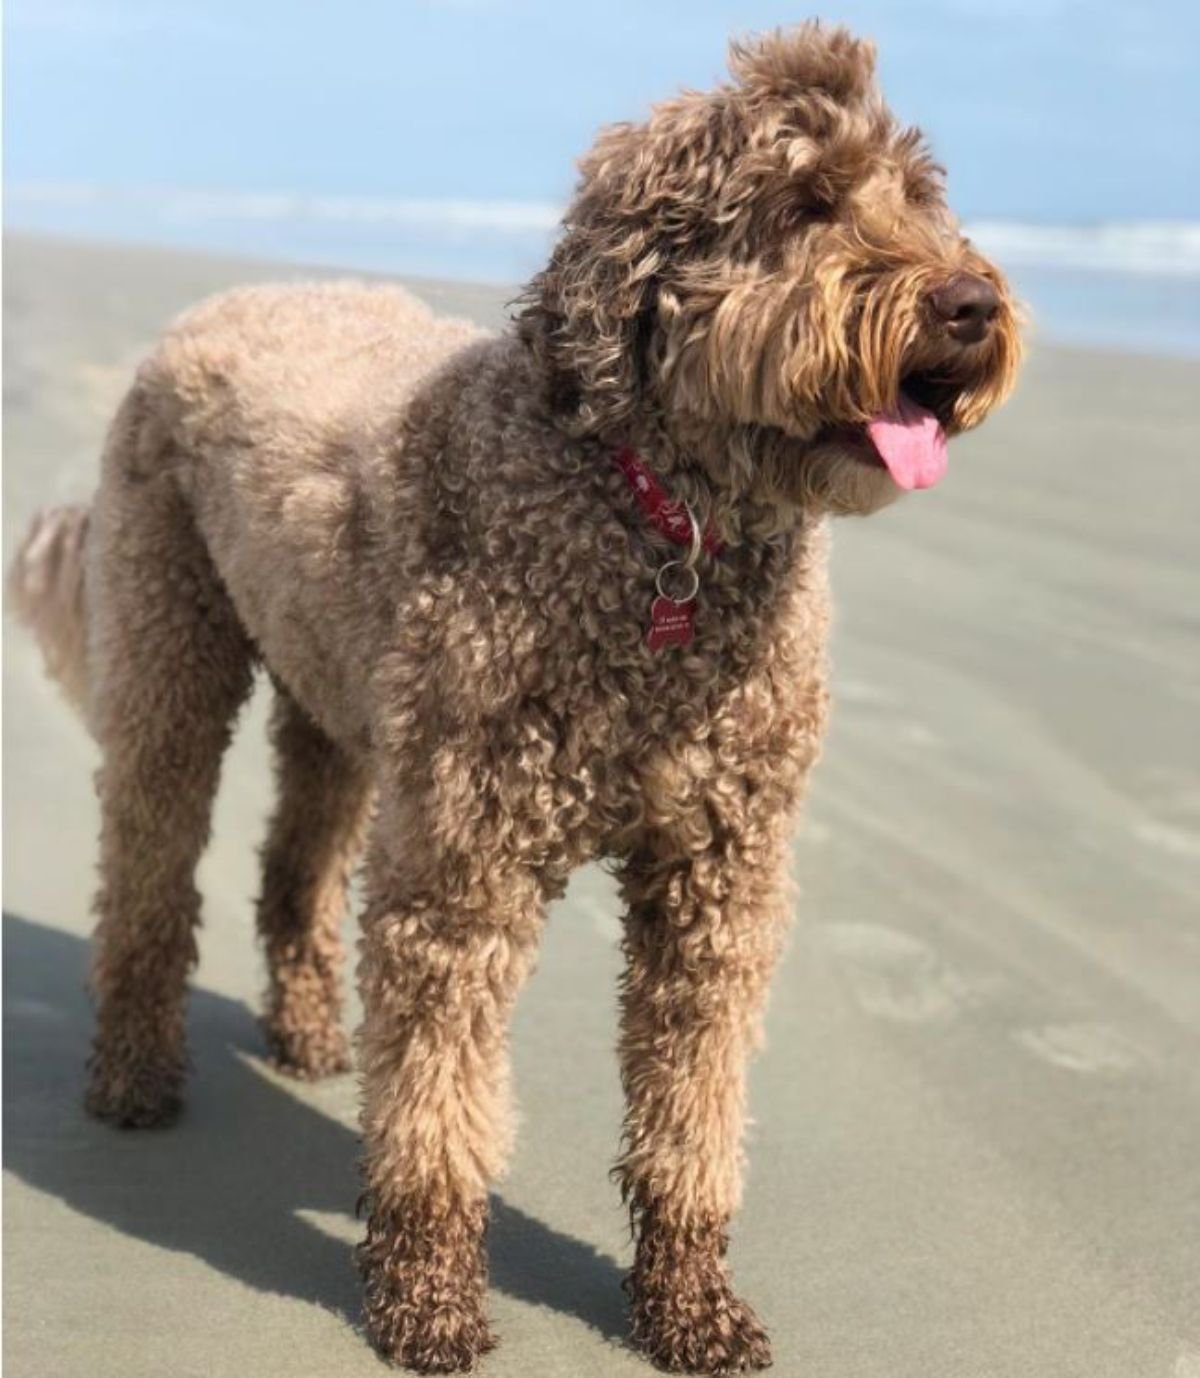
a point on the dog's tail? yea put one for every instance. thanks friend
(46, 589)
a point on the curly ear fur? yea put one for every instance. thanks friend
(643, 199)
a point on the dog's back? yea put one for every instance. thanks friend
(307, 357)
(269, 406)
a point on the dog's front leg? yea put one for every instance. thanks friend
(703, 929)
(446, 945)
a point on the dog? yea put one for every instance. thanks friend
(526, 600)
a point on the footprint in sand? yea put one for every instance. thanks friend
(894, 975)
(1092, 1049)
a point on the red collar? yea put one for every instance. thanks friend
(667, 516)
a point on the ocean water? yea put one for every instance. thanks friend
(1143, 312)
(1123, 286)
(1116, 286)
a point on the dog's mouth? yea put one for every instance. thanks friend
(910, 439)
(936, 392)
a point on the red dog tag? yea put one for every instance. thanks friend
(671, 623)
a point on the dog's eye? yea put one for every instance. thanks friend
(798, 213)
(780, 216)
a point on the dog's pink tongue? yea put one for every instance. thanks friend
(911, 442)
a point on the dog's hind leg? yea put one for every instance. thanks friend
(169, 667)
(313, 842)
(703, 929)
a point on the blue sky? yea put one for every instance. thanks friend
(1047, 110)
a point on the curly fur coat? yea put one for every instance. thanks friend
(420, 532)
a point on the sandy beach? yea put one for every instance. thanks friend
(976, 1150)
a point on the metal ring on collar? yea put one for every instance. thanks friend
(688, 570)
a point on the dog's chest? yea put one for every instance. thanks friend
(635, 730)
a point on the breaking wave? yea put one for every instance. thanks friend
(1164, 248)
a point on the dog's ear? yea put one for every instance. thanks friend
(644, 204)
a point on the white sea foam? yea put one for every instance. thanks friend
(1165, 248)
(182, 206)
(1170, 248)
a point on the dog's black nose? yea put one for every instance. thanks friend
(968, 306)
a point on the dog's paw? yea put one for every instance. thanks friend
(309, 1054)
(134, 1094)
(450, 1337)
(424, 1286)
(699, 1330)
(684, 1315)
(420, 1318)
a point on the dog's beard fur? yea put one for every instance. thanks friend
(781, 371)
(749, 275)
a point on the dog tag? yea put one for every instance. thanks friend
(671, 623)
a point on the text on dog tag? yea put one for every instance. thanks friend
(671, 623)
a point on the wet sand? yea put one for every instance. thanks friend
(977, 1139)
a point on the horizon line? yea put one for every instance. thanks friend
(1160, 247)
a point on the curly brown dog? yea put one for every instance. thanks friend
(526, 600)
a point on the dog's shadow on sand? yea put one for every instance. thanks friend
(233, 1181)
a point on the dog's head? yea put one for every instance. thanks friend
(770, 273)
